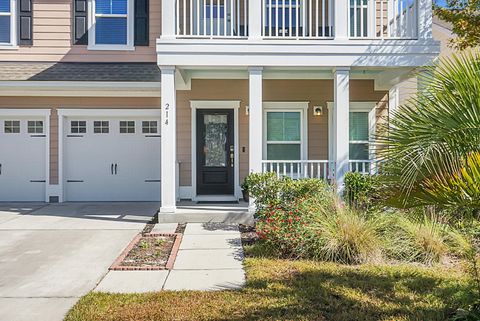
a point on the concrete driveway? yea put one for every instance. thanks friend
(51, 255)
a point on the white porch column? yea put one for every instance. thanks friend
(168, 19)
(255, 19)
(255, 122)
(393, 100)
(169, 139)
(341, 121)
(340, 19)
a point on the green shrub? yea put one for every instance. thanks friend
(360, 190)
(272, 191)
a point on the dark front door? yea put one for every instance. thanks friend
(215, 151)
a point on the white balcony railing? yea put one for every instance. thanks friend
(297, 19)
(394, 19)
(321, 169)
(212, 18)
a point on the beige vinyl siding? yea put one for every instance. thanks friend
(316, 92)
(52, 38)
(72, 102)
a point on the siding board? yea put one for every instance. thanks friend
(52, 33)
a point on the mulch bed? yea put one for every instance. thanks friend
(149, 252)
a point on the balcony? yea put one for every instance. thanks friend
(296, 19)
(297, 33)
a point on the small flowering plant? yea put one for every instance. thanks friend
(285, 228)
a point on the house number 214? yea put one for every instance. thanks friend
(167, 108)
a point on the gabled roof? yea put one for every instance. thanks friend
(73, 71)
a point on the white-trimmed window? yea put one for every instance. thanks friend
(285, 131)
(35, 126)
(111, 24)
(149, 127)
(11, 127)
(78, 127)
(101, 126)
(7, 23)
(127, 127)
(362, 122)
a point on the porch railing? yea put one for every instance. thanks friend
(368, 167)
(322, 169)
(308, 19)
(212, 18)
(394, 19)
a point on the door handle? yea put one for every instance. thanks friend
(116, 168)
(111, 168)
(0, 169)
(232, 156)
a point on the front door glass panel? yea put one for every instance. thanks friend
(215, 136)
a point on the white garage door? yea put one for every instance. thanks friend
(112, 159)
(22, 158)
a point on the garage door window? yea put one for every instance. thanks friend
(12, 126)
(35, 127)
(149, 127)
(127, 127)
(101, 127)
(78, 127)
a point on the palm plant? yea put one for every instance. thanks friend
(431, 146)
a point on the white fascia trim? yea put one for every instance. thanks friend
(25, 112)
(109, 112)
(76, 88)
(207, 104)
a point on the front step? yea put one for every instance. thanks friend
(205, 213)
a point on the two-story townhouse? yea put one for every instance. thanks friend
(137, 100)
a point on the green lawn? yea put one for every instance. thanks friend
(297, 290)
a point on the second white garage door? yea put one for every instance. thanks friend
(112, 159)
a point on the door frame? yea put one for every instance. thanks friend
(215, 104)
(63, 113)
(45, 113)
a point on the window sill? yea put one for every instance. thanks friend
(111, 47)
(8, 47)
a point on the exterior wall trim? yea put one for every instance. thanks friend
(213, 104)
(77, 88)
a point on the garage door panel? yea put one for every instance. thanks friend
(22, 159)
(112, 160)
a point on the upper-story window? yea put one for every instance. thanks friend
(7, 22)
(111, 24)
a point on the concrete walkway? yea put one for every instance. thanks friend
(51, 255)
(210, 258)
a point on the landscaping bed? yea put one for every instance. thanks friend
(149, 252)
